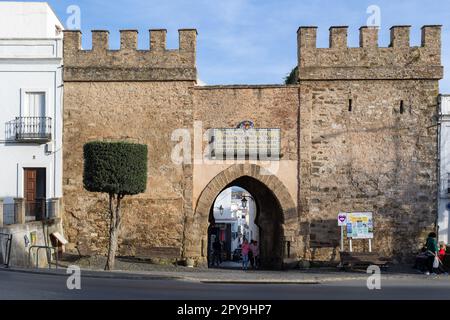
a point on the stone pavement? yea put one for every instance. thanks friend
(134, 269)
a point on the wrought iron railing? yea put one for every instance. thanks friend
(40, 210)
(32, 128)
(34, 211)
(5, 248)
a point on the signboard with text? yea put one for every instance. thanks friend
(360, 225)
(246, 143)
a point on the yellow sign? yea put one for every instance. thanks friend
(33, 239)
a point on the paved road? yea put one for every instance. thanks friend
(18, 285)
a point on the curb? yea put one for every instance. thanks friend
(137, 276)
(260, 282)
(97, 274)
(124, 275)
(120, 275)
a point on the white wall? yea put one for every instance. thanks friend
(30, 59)
(444, 150)
(225, 199)
(254, 229)
(28, 20)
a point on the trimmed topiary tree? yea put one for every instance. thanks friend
(118, 169)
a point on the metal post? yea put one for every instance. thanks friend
(7, 252)
(9, 249)
(350, 243)
(370, 245)
(342, 238)
(49, 252)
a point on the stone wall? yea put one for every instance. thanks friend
(266, 107)
(129, 64)
(398, 62)
(368, 138)
(142, 112)
(112, 95)
(373, 158)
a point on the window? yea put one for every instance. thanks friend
(34, 104)
(448, 183)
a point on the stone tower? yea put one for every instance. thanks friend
(367, 136)
(133, 95)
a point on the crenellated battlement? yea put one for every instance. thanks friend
(369, 61)
(128, 63)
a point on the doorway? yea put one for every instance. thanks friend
(35, 193)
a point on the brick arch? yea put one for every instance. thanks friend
(223, 179)
(196, 237)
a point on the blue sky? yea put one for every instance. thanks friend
(254, 41)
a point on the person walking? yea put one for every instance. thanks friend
(245, 251)
(255, 254)
(250, 254)
(217, 252)
(442, 252)
(432, 252)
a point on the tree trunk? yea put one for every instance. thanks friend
(114, 229)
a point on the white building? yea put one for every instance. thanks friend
(31, 115)
(444, 168)
(229, 210)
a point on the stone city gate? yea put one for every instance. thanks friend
(356, 135)
(276, 213)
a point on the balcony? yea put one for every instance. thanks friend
(30, 129)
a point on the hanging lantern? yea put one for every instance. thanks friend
(244, 202)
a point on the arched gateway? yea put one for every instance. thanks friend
(274, 204)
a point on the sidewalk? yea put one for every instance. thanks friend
(147, 271)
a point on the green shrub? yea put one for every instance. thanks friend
(115, 167)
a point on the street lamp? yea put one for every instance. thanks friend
(244, 200)
(220, 210)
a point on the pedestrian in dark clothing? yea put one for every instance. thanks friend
(217, 253)
(432, 251)
(250, 255)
